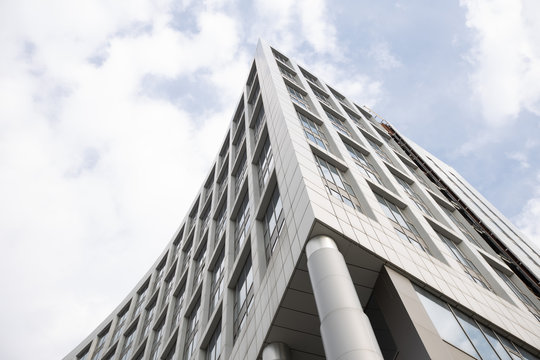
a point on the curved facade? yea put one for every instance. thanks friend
(321, 232)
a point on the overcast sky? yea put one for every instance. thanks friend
(111, 113)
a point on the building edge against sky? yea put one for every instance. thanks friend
(322, 232)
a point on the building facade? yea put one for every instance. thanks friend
(321, 232)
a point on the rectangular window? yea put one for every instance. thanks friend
(240, 172)
(216, 287)
(187, 256)
(379, 151)
(280, 57)
(127, 348)
(413, 195)
(222, 185)
(243, 297)
(221, 220)
(286, 73)
(205, 219)
(338, 124)
(273, 223)
(460, 225)
(192, 333)
(313, 132)
(255, 93)
(242, 223)
(140, 301)
(363, 165)
(148, 319)
(357, 121)
(336, 185)
(84, 354)
(168, 288)
(466, 264)
(322, 97)
(404, 229)
(258, 124)
(417, 175)
(158, 338)
(122, 317)
(178, 303)
(266, 161)
(214, 346)
(99, 346)
(516, 290)
(198, 269)
(298, 97)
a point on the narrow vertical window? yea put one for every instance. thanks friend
(127, 348)
(221, 220)
(100, 345)
(158, 338)
(363, 165)
(243, 297)
(216, 286)
(198, 267)
(177, 310)
(336, 185)
(122, 317)
(148, 318)
(266, 161)
(403, 227)
(313, 132)
(192, 333)
(140, 301)
(466, 264)
(258, 123)
(214, 346)
(273, 223)
(242, 223)
(240, 172)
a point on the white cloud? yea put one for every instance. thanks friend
(380, 52)
(521, 158)
(506, 56)
(528, 219)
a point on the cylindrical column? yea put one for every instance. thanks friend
(276, 351)
(345, 328)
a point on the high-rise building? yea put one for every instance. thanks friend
(322, 232)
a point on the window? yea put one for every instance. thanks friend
(204, 219)
(192, 332)
(273, 223)
(466, 334)
(286, 73)
(159, 272)
(84, 354)
(379, 151)
(216, 286)
(122, 317)
(243, 296)
(460, 225)
(140, 301)
(178, 302)
(515, 289)
(148, 318)
(336, 185)
(404, 229)
(221, 219)
(363, 165)
(255, 93)
(280, 57)
(242, 223)
(298, 97)
(214, 346)
(127, 348)
(241, 171)
(168, 288)
(158, 337)
(187, 256)
(222, 185)
(198, 269)
(266, 161)
(310, 77)
(322, 97)
(417, 200)
(258, 123)
(313, 132)
(100, 345)
(417, 175)
(356, 120)
(338, 124)
(466, 264)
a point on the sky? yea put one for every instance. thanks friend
(111, 113)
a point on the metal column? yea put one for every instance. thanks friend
(345, 328)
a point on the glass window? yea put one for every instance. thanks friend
(286, 73)
(221, 220)
(273, 223)
(466, 264)
(416, 174)
(266, 161)
(243, 297)
(100, 345)
(178, 302)
(84, 354)
(446, 324)
(413, 195)
(140, 301)
(168, 288)
(240, 172)
(280, 57)
(404, 229)
(298, 97)
(127, 348)
(475, 336)
(217, 285)
(122, 317)
(158, 337)
(515, 289)
(322, 97)
(378, 150)
(313, 131)
(187, 256)
(338, 124)
(363, 165)
(258, 123)
(148, 318)
(453, 216)
(199, 266)
(242, 223)
(192, 333)
(336, 184)
(214, 346)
